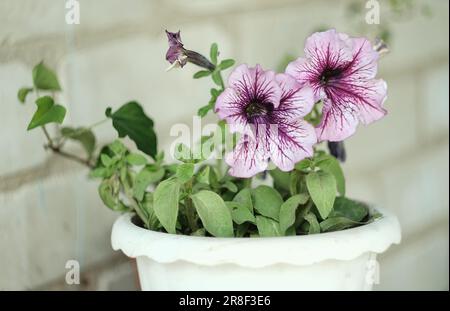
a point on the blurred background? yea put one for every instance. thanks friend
(50, 212)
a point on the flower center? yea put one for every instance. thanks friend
(330, 73)
(255, 110)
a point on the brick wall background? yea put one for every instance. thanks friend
(50, 212)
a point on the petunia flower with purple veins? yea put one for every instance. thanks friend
(341, 70)
(267, 109)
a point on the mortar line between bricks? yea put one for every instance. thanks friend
(409, 154)
(52, 166)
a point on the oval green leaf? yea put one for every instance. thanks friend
(322, 189)
(165, 203)
(267, 201)
(214, 214)
(288, 210)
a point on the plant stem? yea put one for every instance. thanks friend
(73, 157)
(50, 141)
(222, 85)
(135, 205)
(57, 150)
(190, 211)
(97, 123)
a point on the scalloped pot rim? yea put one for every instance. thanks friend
(348, 244)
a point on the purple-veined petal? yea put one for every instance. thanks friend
(364, 60)
(248, 158)
(372, 108)
(302, 71)
(338, 121)
(296, 101)
(327, 49)
(290, 143)
(255, 83)
(231, 108)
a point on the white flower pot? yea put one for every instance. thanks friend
(342, 260)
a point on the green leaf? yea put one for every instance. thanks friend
(108, 112)
(230, 186)
(47, 112)
(203, 175)
(82, 135)
(213, 53)
(165, 203)
(331, 165)
(199, 232)
(101, 172)
(288, 210)
(214, 214)
(353, 210)
(240, 213)
(183, 153)
(44, 78)
(147, 206)
(244, 197)
(217, 78)
(117, 148)
(203, 111)
(108, 191)
(214, 93)
(304, 164)
(296, 178)
(130, 120)
(185, 171)
(267, 201)
(337, 223)
(267, 227)
(144, 178)
(22, 93)
(226, 63)
(281, 179)
(106, 160)
(201, 74)
(314, 226)
(136, 159)
(322, 189)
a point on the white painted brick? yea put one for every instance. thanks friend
(20, 149)
(134, 69)
(416, 189)
(13, 243)
(28, 19)
(104, 14)
(22, 19)
(364, 188)
(435, 100)
(205, 7)
(421, 264)
(266, 36)
(418, 39)
(60, 218)
(373, 145)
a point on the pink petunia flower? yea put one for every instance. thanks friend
(267, 108)
(341, 70)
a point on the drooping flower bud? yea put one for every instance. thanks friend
(178, 56)
(337, 150)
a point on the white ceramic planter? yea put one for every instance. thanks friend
(343, 260)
